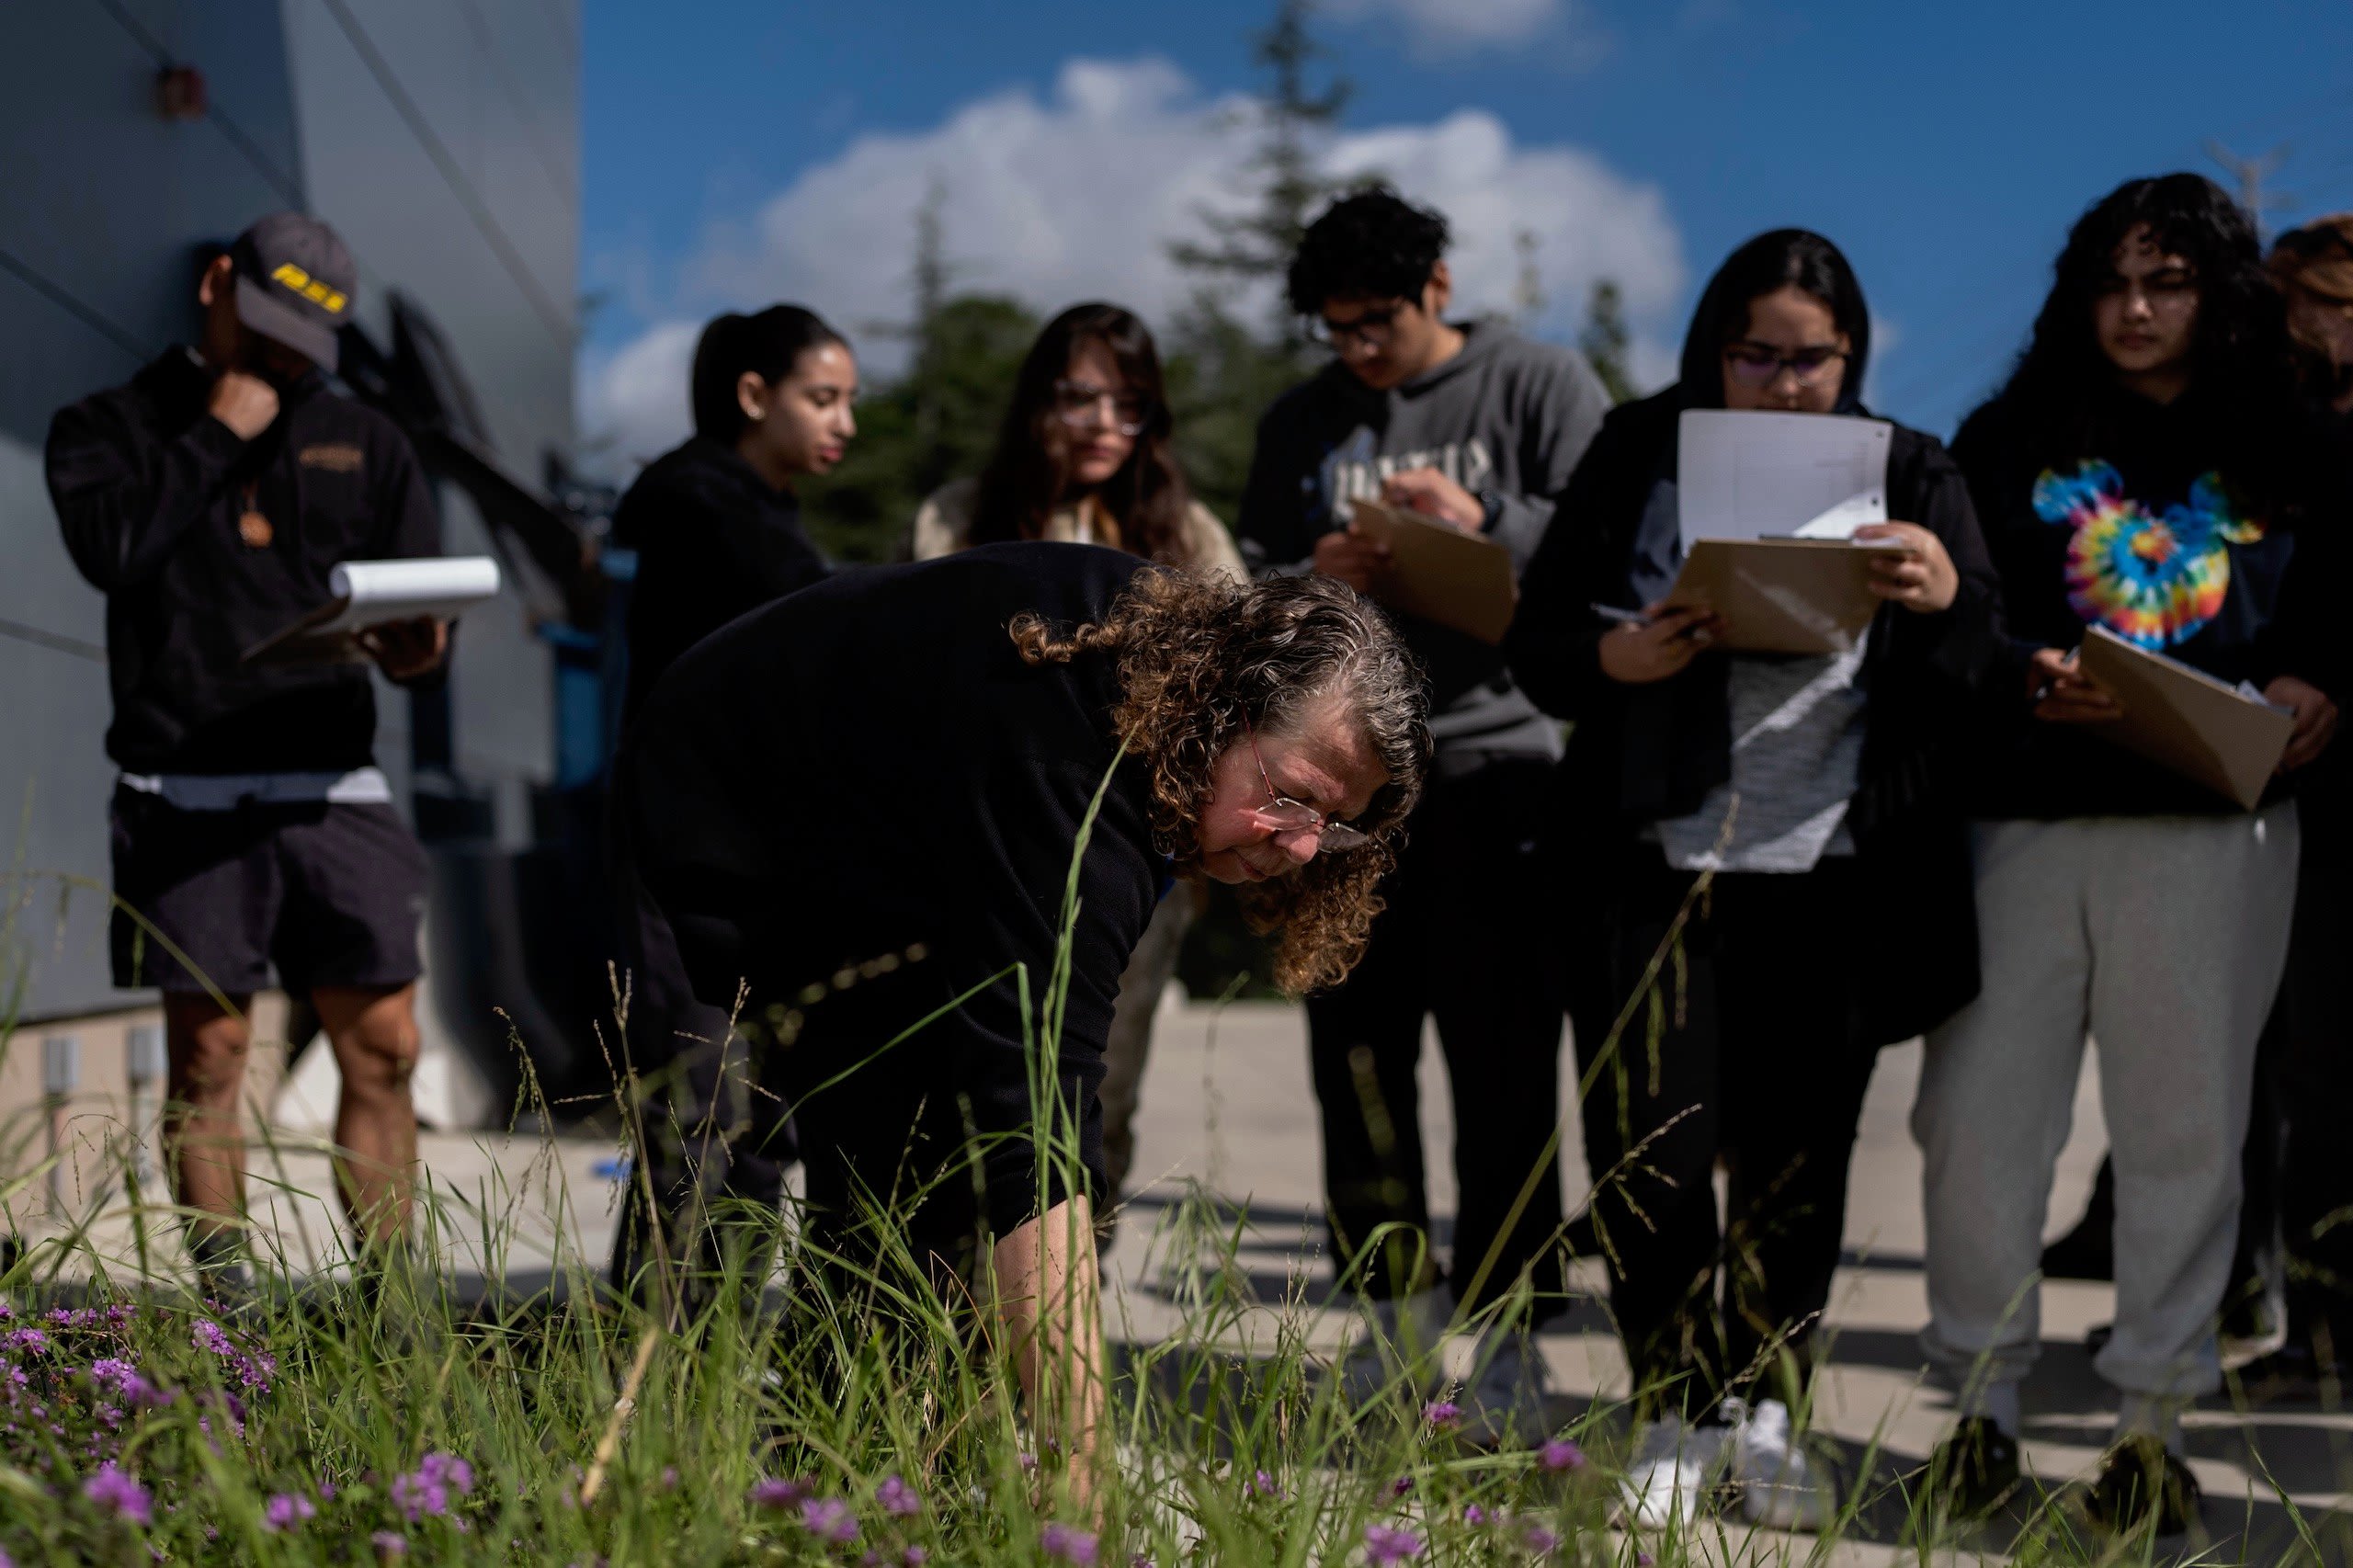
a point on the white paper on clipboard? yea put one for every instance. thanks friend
(1752, 474)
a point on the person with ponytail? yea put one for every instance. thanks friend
(1085, 456)
(908, 825)
(717, 533)
(714, 522)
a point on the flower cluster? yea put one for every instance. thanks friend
(117, 1492)
(426, 1492)
(251, 1369)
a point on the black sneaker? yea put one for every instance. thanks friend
(2142, 1482)
(1974, 1471)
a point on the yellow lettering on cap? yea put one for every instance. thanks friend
(334, 303)
(312, 288)
(293, 277)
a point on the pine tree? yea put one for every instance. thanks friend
(1605, 340)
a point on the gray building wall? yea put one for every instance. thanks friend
(440, 138)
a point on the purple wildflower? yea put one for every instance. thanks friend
(1029, 1461)
(31, 1339)
(1443, 1414)
(1539, 1541)
(388, 1543)
(1383, 1545)
(771, 1492)
(205, 1334)
(669, 1480)
(447, 1470)
(1066, 1543)
(1265, 1485)
(914, 1557)
(424, 1493)
(114, 1489)
(1474, 1515)
(830, 1518)
(326, 1491)
(1641, 1560)
(899, 1500)
(1560, 1454)
(285, 1510)
(1398, 1487)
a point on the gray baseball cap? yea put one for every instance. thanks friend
(294, 284)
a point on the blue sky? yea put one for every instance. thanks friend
(737, 152)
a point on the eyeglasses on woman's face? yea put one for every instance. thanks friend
(1084, 405)
(1761, 363)
(1283, 815)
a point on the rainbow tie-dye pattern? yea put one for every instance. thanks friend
(2152, 579)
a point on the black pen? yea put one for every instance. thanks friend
(1622, 617)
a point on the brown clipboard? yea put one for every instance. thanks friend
(1784, 595)
(2184, 719)
(1440, 573)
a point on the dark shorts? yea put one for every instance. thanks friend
(329, 894)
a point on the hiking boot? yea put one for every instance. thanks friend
(1975, 1470)
(1780, 1485)
(1674, 1466)
(2142, 1482)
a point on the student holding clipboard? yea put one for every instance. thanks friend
(2148, 472)
(1473, 428)
(1838, 916)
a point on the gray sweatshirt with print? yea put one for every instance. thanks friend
(1507, 418)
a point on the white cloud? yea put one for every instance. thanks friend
(1458, 27)
(1077, 195)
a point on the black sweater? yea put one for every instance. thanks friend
(2063, 529)
(867, 766)
(1640, 754)
(713, 540)
(149, 489)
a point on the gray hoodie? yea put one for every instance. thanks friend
(1507, 419)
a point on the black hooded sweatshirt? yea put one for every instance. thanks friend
(1641, 754)
(713, 540)
(151, 492)
(2122, 525)
(866, 768)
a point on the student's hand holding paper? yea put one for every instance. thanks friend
(2316, 719)
(1923, 580)
(1637, 653)
(406, 650)
(1430, 492)
(1352, 558)
(2064, 693)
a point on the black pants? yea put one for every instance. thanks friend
(1745, 1049)
(2313, 1072)
(1470, 936)
(711, 1132)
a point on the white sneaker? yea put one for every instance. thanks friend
(1506, 1403)
(1673, 1466)
(1777, 1486)
(1399, 1347)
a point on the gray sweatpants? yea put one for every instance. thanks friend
(2165, 938)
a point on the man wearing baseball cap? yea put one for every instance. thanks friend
(208, 499)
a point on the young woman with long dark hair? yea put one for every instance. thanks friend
(714, 521)
(2149, 469)
(1835, 919)
(1085, 456)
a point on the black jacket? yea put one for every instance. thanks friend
(713, 540)
(2258, 515)
(1640, 754)
(867, 767)
(149, 489)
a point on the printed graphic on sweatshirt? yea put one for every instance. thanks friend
(1355, 469)
(2154, 578)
